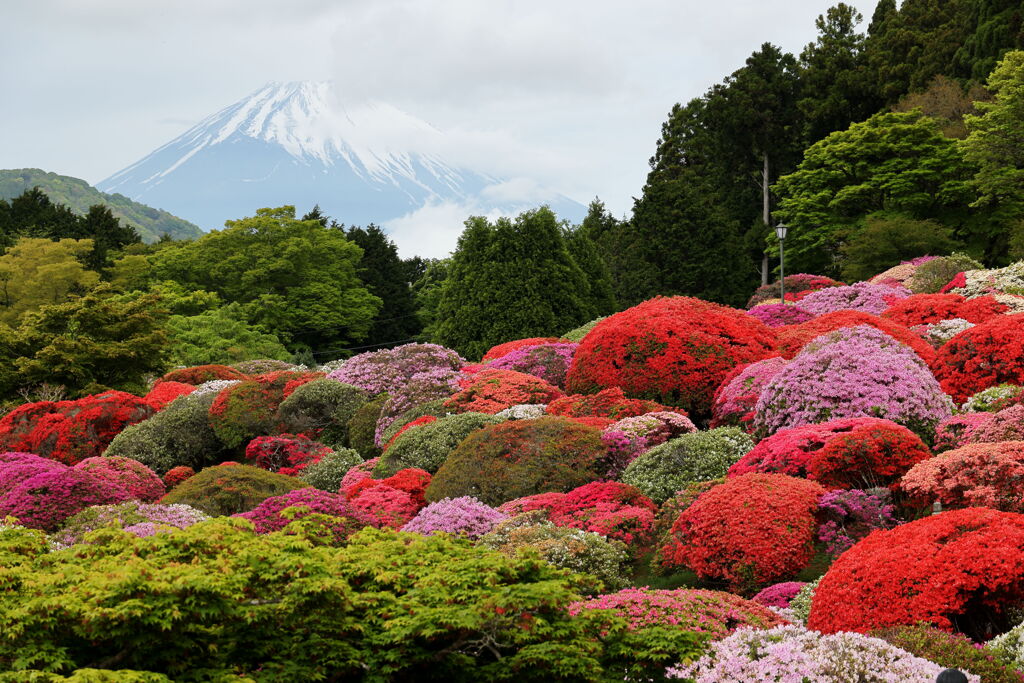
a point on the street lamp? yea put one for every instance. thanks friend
(780, 232)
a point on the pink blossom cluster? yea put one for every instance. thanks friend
(138, 480)
(779, 315)
(862, 296)
(958, 430)
(779, 594)
(387, 370)
(267, 517)
(423, 387)
(629, 437)
(550, 361)
(462, 516)
(736, 398)
(849, 516)
(133, 516)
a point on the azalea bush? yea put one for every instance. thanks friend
(288, 454)
(609, 508)
(420, 389)
(491, 391)
(629, 437)
(932, 276)
(610, 403)
(736, 398)
(502, 350)
(849, 516)
(1006, 425)
(378, 372)
(277, 512)
(164, 393)
(393, 501)
(921, 309)
(958, 430)
(751, 531)
(793, 339)
(199, 374)
(798, 286)
(778, 594)
(861, 296)
(984, 356)
(779, 315)
(230, 489)
(518, 458)
(872, 455)
(994, 399)
(960, 570)
(176, 475)
(465, 516)
(429, 445)
(674, 350)
(983, 474)
(246, 410)
(52, 495)
(549, 361)
(138, 480)
(125, 515)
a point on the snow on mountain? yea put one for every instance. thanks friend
(297, 143)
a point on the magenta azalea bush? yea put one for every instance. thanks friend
(779, 594)
(550, 362)
(736, 399)
(778, 315)
(130, 474)
(848, 516)
(268, 517)
(792, 653)
(853, 372)
(133, 516)
(629, 437)
(45, 500)
(862, 296)
(464, 516)
(17, 467)
(387, 370)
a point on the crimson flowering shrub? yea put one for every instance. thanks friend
(752, 530)
(465, 516)
(410, 480)
(502, 350)
(714, 613)
(357, 473)
(609, 403)
(608, 508)
(548, 361)
(268, 516)
(861, 296)
(389, 507)
(138, 480)
(778, 594)
(1006, 425)
(982, 474)
(631, 436)
(539, 501)
(793, 339)
(384, 371)
(46, 499)
(176, 475)
(675, 350)
(70, 431)
(958, 430)
(491, 391)
(286, 453)
(509, 460)
(853, 372)
(960, 570)
(779, 315)
(959, 281)
(797, 287)
(165, 392)
(922, 309)
(849, 516)
(868, 456)
(203, 373)
(984, 356)
(736, 398)
(17, 467)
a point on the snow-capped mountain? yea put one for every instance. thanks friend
(297, 143)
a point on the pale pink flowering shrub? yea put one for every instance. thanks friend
(958, 430)
(736, 398)
(464, 516)
(387, 370)
(423, 387)
(862, 296)
(1006, 425)
(550, 362)
(629, 437)
(977, 475)
(130, 474)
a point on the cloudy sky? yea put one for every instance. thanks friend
(568, 93)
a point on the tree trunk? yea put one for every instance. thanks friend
(765, 215)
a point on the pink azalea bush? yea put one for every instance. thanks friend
(423, 387)
(1006, 425)
(779, 315)
(849, 516)
(549, 361)
(267, 516)
(853, 372)
(779, 594)
(862, 296)
(387, 370)
(138, 480)
(464, 516)
(45, 500)
(958, 430)
(126, 515)
(357, 473)
(736, 398)
(16, 467)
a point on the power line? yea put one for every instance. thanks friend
(359, 348)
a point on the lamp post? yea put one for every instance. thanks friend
(780, 232)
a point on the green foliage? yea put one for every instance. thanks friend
(436, 408)
(952, 650)
(427, 291)
(221, 335)
(427, 447)
(363, 425)
(296, 279)
(997, 29)
(887, 240)
(98, 340)
(597, 276)
(178, 435)
(37, 271)
(323, 407)
(894, 162)
(700, 456)
(327, 473)
(931, 276)
(510, 280)
(580, 332)
(230, 489)
(216, 601)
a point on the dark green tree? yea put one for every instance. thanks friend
(998, 28)
(888, 239)
(387, 277)
(588, 257)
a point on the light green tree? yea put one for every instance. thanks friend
(38, 271)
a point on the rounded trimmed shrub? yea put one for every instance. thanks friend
(610, 403)
(327, 473)
(922, 309)
(932, 276)
(138, 480)
(491, 391)
(362, 428)
(957, 431)
(700, 456)
(322, 408)
(465, 516)
(124, 515)
(1006, 425)
(550, 362)
(429, 445)
(994, 399)
(951, 650)
(378, 372)
(230, 489)
(577, 334)
(629, 437)
(860, 296)
(164, 393)
(780, 315)
(793, 339)
(752, 530)
(420, 389)
(736, 398)
(245, 410)
(514, 459)
(268, 516)
(260, 366)
(853, 372)
(46, 499)
(958, 570)
(873, 455)
(502, 350)
(199, 374)
(674, 350)
(977, 475)
(176, 475)
(608, 508)
(285, 453)
(779, 594)
(984, 356)
(797, 287)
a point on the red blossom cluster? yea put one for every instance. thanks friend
(981, 474)
(176, 475)
(491, 391)
(70, 431)
(392, 501)
(163, 393)
(500, 350)
(983, 356)
(961, 570)
(959, 280)
(608, 403)
(286, 454)
(922, 309)
(609, 508)
(203, 373)
(871, 455)
(750, 531)
(675, 350)
(793, 338)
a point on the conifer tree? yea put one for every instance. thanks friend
(387, 277)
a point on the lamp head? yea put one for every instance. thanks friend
(780, 231)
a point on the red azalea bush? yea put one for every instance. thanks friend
(792, 339)
(609, 508)
(203, 373)
(45, 500)
(675, 350)
(961, 570)
(609, 403)
(176, 475)
(983, 356)
(797, 287)
(138, 480)
(540, 501)
(509, 460)
(958, 430)
(500, 350)
(752, 530)
(393, 501)
(737, 396)
(410, 480)
(243, 411)
(267, 517)
(165, 392)
(491, 391)
(286, 453)
(921, 309)
(870, 455)
(70, 431)
(977, 475)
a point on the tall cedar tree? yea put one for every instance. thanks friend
(387, 277)
(998, 28)
(598, 280)
(509, 280)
